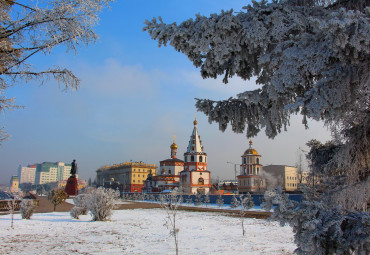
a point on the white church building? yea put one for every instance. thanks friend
(195, 178)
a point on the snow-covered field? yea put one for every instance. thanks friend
(142, 231)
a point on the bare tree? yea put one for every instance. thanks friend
(171, 203)
(28, 28)
(246, 203)
(300, 166)
(13, 205)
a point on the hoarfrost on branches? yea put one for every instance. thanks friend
(101, 202)
(170, 203)
(198, 199)
(80, 207)
(27, 208)
(220, 200)
(28, 28)
(310, 57)
(234, 202)
(320, 229)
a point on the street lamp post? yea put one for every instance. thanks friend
(234, 167)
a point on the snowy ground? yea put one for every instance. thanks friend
(142, 232)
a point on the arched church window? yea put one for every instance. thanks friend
(244, 161)
(258, 161)
(201, 181)
(192, 158)
(200, 159)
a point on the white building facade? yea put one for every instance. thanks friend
(52, 172)
(27, 174)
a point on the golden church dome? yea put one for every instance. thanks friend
(195, 122)
(251, 150)
(173, 146)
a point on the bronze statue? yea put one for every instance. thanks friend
(74, 168)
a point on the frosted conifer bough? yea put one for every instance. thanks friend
(310, 57)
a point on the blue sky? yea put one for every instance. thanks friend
(133, 98)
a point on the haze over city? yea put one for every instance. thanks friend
(133, 98)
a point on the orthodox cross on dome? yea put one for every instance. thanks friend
(250, 143)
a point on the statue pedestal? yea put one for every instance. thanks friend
(71, 187)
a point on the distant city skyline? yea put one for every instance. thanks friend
(133, 98)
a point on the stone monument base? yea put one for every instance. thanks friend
(71, 187)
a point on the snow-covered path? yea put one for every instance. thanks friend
(142, 232)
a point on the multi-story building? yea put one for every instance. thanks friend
(27, 174)
(169, 173)
(14, 184)
(52, 172)
(249, 179)
(195, 178)
(129, 176)
(287, 177)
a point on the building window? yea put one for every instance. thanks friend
(169, 171)
(244, 161)
(201, 181)
(133, 181)
(258, 161)
(192, 158)
(200, 159)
